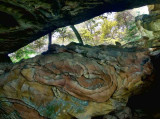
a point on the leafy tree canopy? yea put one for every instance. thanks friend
(99, 30)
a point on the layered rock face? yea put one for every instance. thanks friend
(149, 26)
(73, 81)
(23, 21)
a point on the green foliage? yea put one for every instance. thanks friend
(132, 33)
(96, 31)
(23, 53)
(64, 35)
(126, 22)
(87, 36)
(90, 31)
(107, 27)
(102, 30)
(124, 19)
(38, 44)
(29, 51)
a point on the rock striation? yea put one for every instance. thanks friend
(73, 81)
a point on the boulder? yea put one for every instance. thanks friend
(78, 81)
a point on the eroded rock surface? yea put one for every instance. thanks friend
(74, 81)
(149, 26)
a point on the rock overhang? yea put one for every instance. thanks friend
(25, 21)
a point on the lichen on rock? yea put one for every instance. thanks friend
(149, 26)
(77, 81)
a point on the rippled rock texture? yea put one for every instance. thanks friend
(73, 81)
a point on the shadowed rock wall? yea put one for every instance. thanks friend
(23, 21)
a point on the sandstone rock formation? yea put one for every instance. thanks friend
(73, 81)
(23, 21)
(149, 26)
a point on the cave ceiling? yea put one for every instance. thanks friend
(23, 21)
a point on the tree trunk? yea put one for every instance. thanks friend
(77, 34)
(73, 81)
(49, 40)
(63, 40)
